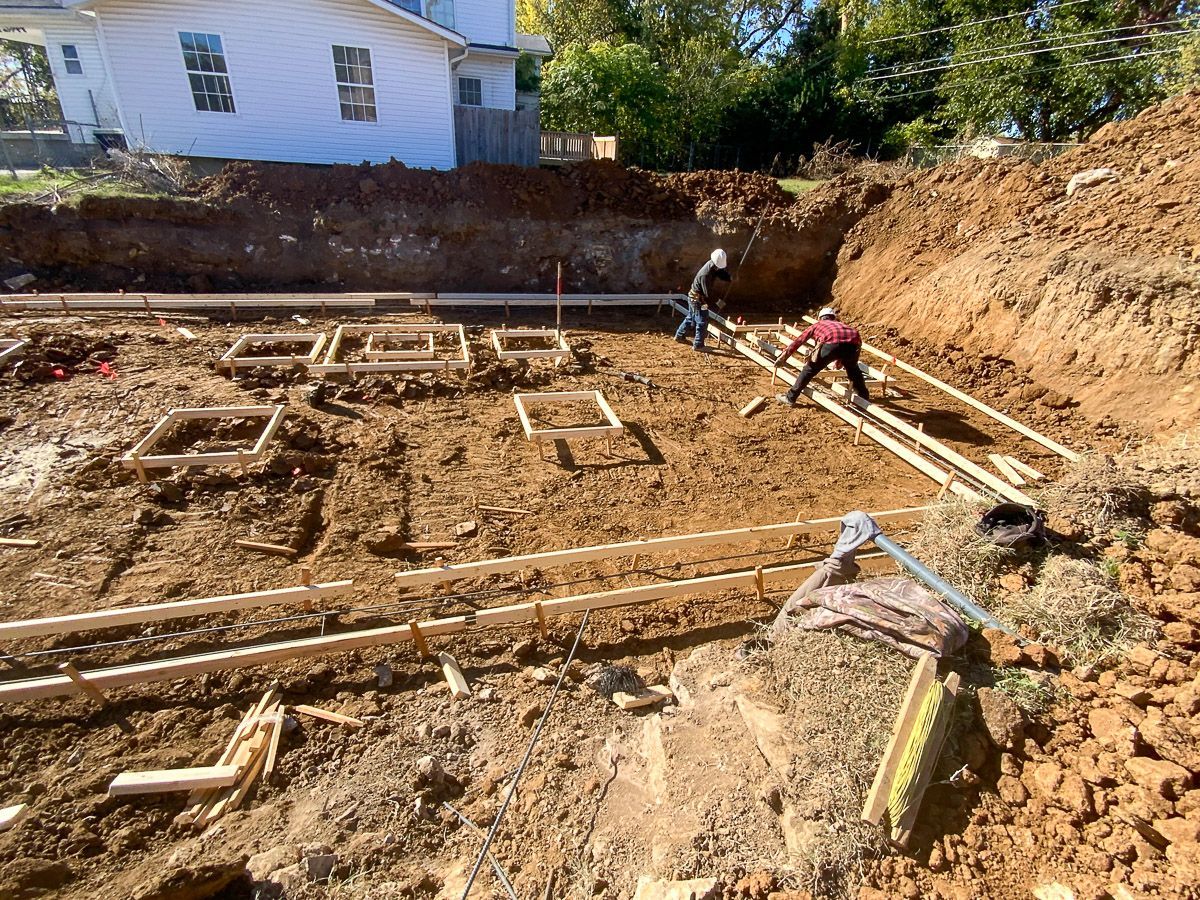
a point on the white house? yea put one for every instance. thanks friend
(316, 81)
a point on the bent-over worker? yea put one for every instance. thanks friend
(700, 296)
(835, 341)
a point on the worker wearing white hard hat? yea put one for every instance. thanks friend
(700, 296)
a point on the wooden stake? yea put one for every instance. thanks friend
(759, 586)
(419, 639)
(305, 576)
(447, 585)
(946, 485)
(139, 468)
(541, 619)
(83, 684)
(858, 431)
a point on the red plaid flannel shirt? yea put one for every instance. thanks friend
(826, 331)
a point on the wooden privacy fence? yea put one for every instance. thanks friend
(496, 135)
(566, 146)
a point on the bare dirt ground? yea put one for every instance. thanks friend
(382, 460)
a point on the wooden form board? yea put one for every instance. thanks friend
(233, 360)
(167, 780)
(138, 460)
(331, 365)
(923, 676)
(560, 350)
(554, 558)
(328, 716)
(377, 342)
(1028, 471)
(528, 612)
(970, 401)
(158, 612)
(10, 348)
(614, 428)
(167, 302)
(902, 830)
(1004, 468)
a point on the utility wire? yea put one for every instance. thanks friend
(512, 789)
(1025, 72)
(951, 54)
(975, 62)
(1028, 12)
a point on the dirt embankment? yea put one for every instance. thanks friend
(479, 228)
(1097, 293)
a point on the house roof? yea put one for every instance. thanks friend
(391, 6)
(535, 44)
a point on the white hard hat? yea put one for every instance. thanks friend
(827, 312)
(720, 260)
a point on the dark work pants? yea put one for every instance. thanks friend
(697, 317)
(845, 353)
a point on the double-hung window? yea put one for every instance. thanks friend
(470, 91)
(355, 83)
(208, 75)
(71, 60)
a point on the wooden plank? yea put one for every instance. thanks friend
(923, 675)
(902, 830)
(172, 780)
(68, 669)
(504, 510)
(157, 612)
(19, 542)
(429, 545)
(970, 401)
(459, 689)
(1005, 469)
(643, 547)
(647, 697)
(12, 816)
(244, 657)
(752, 407)
(1030, 472)
(517, 298)
(186, 333)
(274, 549)
(273, 745)
(338, 718)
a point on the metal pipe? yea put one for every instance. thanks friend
(937, 583)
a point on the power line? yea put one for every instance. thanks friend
(1025, 72)
(950, 55)
(946, 68)
(1028, 12)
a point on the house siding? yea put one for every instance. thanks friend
(498, 77)
(281, 71)
(486, 21)
(73, 90)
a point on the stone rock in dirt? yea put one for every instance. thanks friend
(1089, 178)
(696, 889)
(1141, 659)
(388, 539)
(1185, 577)
(466, 529)
(1002, 718)
(542, 675)
(383, 674)
(1178, 830)
(430, 769)
(530, 714)
(32, 877)
(1159, 776)
(524, 649)
(320, 866)
(19, 281)
(260, 865)
(1003, 649)
(291, 879)
(1012, 791)
(1110, 728)
(1169, 742)
(196, 883)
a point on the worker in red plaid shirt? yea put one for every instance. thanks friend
(836, 342)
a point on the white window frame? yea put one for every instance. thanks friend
(459, 91)
(228, 73)
(338, 85)
(68, 60)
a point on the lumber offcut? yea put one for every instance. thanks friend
(752, 407)
(338, 718)
(459, 689)
(172, 780)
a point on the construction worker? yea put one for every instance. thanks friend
(836, 341)
(699, 297)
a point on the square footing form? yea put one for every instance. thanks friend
(138, 460)
(614, 428)
(560, 351)
(332, 366)
(233, 360)
(378, 342)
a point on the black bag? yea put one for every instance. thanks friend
(1013, 525)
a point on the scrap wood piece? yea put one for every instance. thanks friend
(1030, 472)
(348, 721)
(273, 549)
(921, 761)
(164, 780)
(752, 407)
(459, 689)
(276, 734)
(12, 816)
(186, 333)
(646, 697)
(19, 542)
(429, 545)
(504, 510)
(923, 676)
(1004, 468)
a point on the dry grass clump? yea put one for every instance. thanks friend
(1077, 606)
(1097, 495)
(840, 696)
(946, 542)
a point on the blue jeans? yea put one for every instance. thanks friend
(697, 317)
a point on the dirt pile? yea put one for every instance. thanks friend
(1095, 294)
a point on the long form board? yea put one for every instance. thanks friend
(138, 460)
(378, 343)
(168, 302)
(10, 348)
(233, 360)
(331, 365)
(528, 612)
(560, 351)
(614, 428)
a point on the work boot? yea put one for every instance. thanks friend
(785, 399)
(699, 348)
(680, 340)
